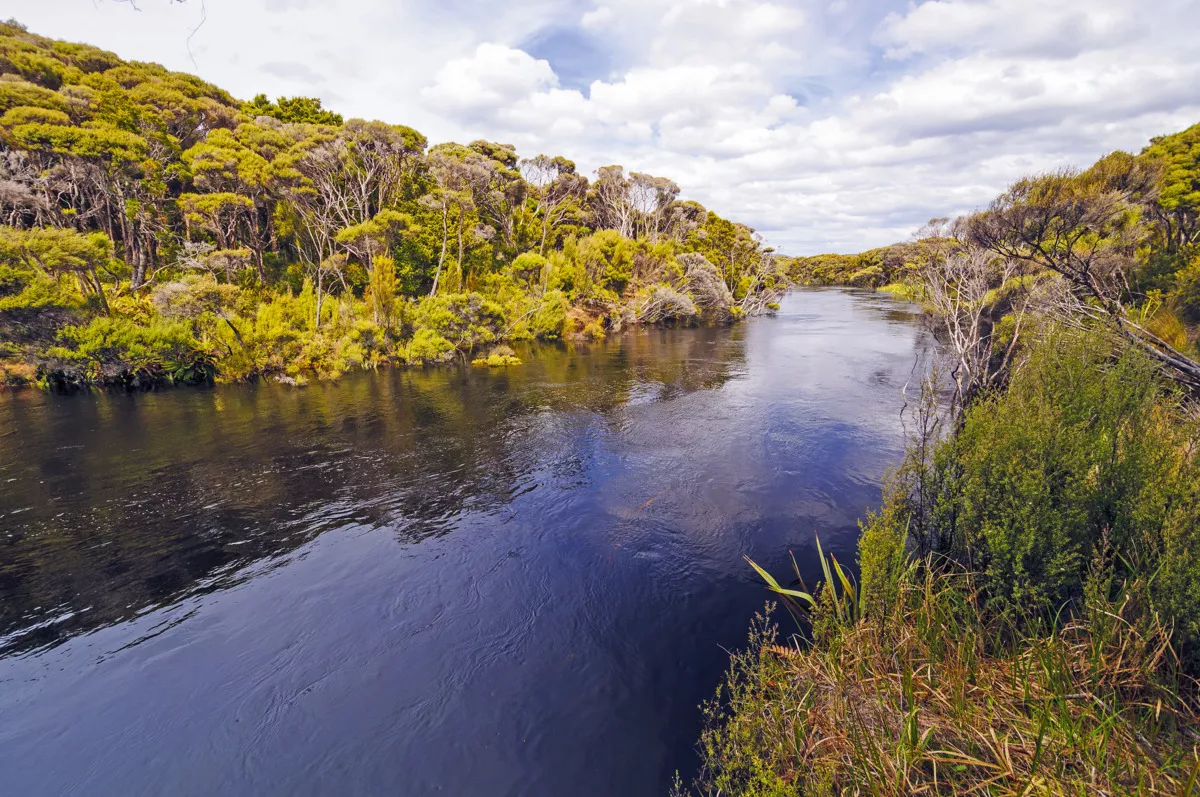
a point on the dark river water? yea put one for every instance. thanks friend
(457, 581)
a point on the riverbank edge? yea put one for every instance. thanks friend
(18, 375)
(907, 680)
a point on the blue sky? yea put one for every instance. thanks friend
(828, 125)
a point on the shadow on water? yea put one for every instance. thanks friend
(466, 581)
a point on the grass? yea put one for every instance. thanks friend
(902, 290)
(930, 697)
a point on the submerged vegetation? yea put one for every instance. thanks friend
(154, 229)
(1026, 616)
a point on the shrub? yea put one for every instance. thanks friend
(1073, 456)
(550, 319)
(528, 268)
(428, 346)
(607, 258)
(1083, 455)
(465, 320)
(120, 351)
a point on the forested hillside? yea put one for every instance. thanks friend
(156, 229)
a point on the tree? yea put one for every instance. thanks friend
(246, 162)
(557, 191)
(651, 198)
(54, 253)
(374, 238)
(292, 110)
(459, 172)
(496, 187)
(729, 246)
(1086, 229)
(971, 291)
(610, 201)
(1178, 202)
(371, 242)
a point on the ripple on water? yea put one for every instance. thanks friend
(457, 580)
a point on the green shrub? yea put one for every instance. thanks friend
(466, 320)
(528, 268)
(428, 346)
(607, 258)
(118, 350)
(1083, 455)
(550, 319)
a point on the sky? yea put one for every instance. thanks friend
(827, 125)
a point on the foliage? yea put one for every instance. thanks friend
(1083, 454)
(288, 240)
(427, 347)
(926, 695)
(293, 110)
(113, 350)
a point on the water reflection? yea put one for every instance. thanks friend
(113, 503)
(461, 580)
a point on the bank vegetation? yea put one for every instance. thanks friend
(154, 229)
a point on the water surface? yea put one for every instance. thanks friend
(453, 581)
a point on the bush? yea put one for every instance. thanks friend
(550, 319)
(607, 258)
(1076, 455)
(120, 351)
(428, 346)
(1084, 455)
(466, 320)
(528, 268)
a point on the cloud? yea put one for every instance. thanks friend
(294, 71)
(490, 79)
(825, 125)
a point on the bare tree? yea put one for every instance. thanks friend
(651, 198)
(969, 289)
(610, 201)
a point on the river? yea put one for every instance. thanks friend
(444, 581)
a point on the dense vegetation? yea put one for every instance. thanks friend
(156, 229)
(1026, 619)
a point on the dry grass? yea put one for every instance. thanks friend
(931, 700)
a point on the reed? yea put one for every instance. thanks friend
(933, 697)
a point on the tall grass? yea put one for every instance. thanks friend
(931, 697)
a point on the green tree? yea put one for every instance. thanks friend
(293, 110)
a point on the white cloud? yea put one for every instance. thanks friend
(491, 78)
(827, 125)
(1065, 27)
(597, 18)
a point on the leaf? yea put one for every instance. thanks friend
(773, 585)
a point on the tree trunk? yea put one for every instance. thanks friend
(317, 324)
(445, 240)
(462, 272)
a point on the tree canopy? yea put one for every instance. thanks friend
(337, 242)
